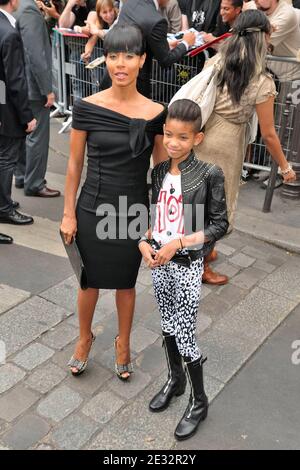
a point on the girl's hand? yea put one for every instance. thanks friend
(167, 252)
(68, 228)
(148, 254)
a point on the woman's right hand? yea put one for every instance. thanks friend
(68, 228)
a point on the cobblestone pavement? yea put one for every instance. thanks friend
(43, 407)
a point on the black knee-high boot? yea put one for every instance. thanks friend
(196, 410)
(176, 383)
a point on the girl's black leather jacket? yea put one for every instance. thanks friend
(203, 198)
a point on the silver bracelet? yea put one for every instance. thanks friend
(285, 172)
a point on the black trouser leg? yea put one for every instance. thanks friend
(10, 148)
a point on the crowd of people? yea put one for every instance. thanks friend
(121, 127)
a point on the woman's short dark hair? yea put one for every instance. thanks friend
(124, 38)
(186, 111)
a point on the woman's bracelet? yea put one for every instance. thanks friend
(181, 245)
(285, 172)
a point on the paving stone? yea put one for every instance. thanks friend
(59, 337)
(151, 291)
(128, 390)
(203, 322)
(225, 249)
(146, 430)
(285, 281)
(92, 380)
(205, 291)
(264, 266)
(145, 277)
(235, 336)
(26, 432)
(25, 323)
(213, 306)
(74, 432)
(61, 358)
(10, 296)
(107, 358)
(227, 269)
(152, 360)
(10, 375)
(152, 322)
(242, 260)
(63, 294)
(44, 447)
(140, 288)
(232, 294)
(145, 304)
(104, 339)
(33, 356)
(276, 260)
(96, 410)
(248, 278)
(60, 403)
(141, 338)
(46, 378)
(259, 253)
(16, 401)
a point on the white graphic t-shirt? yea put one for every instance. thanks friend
(169, 220)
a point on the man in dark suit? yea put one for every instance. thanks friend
(146, 15)
(31, 170)
(16, 117)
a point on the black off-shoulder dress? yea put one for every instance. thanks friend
(119, 150)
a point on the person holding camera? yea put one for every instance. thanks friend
(51, 10)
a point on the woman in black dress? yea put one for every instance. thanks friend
(122, 129)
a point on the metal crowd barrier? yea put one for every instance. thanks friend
(73, 80)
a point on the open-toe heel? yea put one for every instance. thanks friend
(78, 364)
(122, 369)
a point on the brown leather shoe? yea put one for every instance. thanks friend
(212, 256)
(45, 192)
(211, 277)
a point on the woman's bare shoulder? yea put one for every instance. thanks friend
(153, 108)
(97, 98)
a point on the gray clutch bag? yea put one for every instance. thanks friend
(76, 262)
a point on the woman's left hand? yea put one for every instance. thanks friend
(167, 252)
(289, 177)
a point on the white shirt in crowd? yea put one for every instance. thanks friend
(285, 40)
(169, 220)
(10, 18)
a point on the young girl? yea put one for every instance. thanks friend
(183, 189)
(98, 22)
